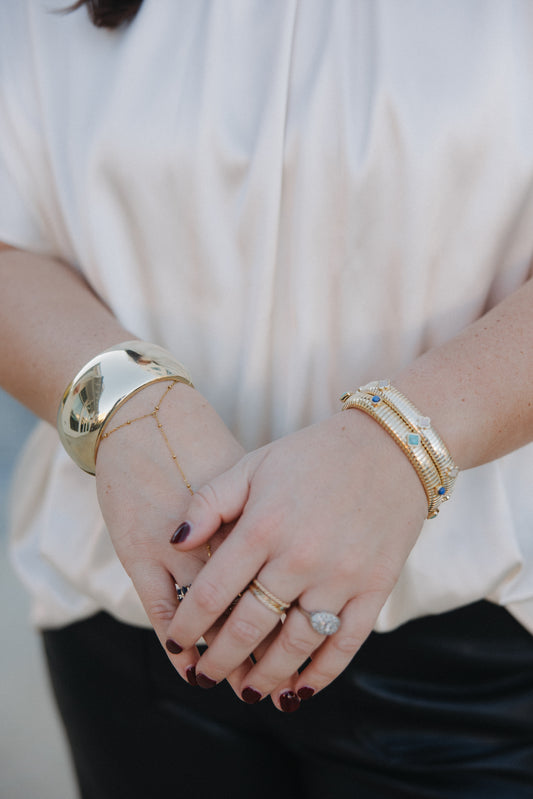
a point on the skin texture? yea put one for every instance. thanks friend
(326, 515)
(142, 494)
(335, 531)
(53, 330)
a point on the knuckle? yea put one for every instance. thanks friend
(160, 610)
(384, 577)
(260, 534)
(295, 645)
(135, 559)
(303, 561)
(209, 597)
(243, 632)
(320, 675)
(345, 571)
(347, 644)
(205, 496)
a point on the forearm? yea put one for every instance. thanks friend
(478, 387)
(51, 324)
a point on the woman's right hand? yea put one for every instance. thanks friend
(143, 494)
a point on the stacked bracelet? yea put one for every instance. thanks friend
(102, 386)
(413, 433)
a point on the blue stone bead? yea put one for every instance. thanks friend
(376, 398)
(441, 491)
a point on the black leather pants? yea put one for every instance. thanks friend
(442, 707)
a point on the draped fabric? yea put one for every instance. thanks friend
(294, 198)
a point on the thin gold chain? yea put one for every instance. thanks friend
(155, 415)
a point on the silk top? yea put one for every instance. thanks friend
(294, 197)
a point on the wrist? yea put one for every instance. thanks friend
(102, 386)
(413, 433)
(444, 406)
(372, 445)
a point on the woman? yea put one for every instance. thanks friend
(293, 199)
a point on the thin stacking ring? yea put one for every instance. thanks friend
(269, 600)
(322, 621)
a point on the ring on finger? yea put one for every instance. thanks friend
(181, 591)
(268, 599)
(322, 621)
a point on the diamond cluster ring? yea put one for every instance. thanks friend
(322, 621)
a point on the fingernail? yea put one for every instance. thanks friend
(250, 695)
(305, 692)
(190, 673)
(173, 647)
(289, 701)
(205, 682)
(181, 533)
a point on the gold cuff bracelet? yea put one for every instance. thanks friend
(102, 386)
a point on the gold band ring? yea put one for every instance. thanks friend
(268, 599)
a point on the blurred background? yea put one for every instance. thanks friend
(33, 757)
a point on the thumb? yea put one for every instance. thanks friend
(218, 502)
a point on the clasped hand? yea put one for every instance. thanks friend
(325, 519)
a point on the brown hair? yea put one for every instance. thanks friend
(108, 13)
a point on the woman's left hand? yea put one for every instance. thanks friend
(326, 518)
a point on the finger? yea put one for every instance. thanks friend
(225, 575)
(244, 636)
(357, 622)
(260, 650)
(243, 632)
(291, 648)
(284, 696)
(157, 590)
(217, 502)
(238, 677)
(250, 622)
(251, 696)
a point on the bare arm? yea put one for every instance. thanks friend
(327, 516)
(51, 324)
(478, 387)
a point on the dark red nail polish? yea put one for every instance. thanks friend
(181, 533)
(250, 695)
(205, 682)
(305, 692)
(190, 673)
(173, 647)
(289, 701)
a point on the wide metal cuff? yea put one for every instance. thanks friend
(102, 386)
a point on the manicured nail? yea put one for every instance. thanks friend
(181, 533)
(250, 695)
(289, 701)
(190, 673)
(305, 692)
(205, 682)
(173, 647)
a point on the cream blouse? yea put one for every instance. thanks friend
(294, 197)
